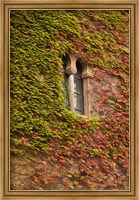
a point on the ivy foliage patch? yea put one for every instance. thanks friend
(41, 124)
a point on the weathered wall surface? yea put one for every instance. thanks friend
(104, 89)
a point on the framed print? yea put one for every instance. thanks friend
(69, 101)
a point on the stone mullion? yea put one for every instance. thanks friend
(71, 91)
(86, 96)
(71, 71)
(86, 75)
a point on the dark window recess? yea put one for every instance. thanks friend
(78, 91)
(66, 82)
(66, 92)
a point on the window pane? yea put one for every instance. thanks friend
(78, 90)
(77, 86)
(77, 102)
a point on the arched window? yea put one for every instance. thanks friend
(76, 85)
(78, 90)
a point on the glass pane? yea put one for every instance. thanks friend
(78, 90)
(77, 86)
(77, 102)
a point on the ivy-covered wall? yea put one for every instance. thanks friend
(40, 123)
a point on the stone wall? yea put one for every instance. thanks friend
(102, 89)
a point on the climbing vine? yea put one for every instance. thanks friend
(64, 150)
